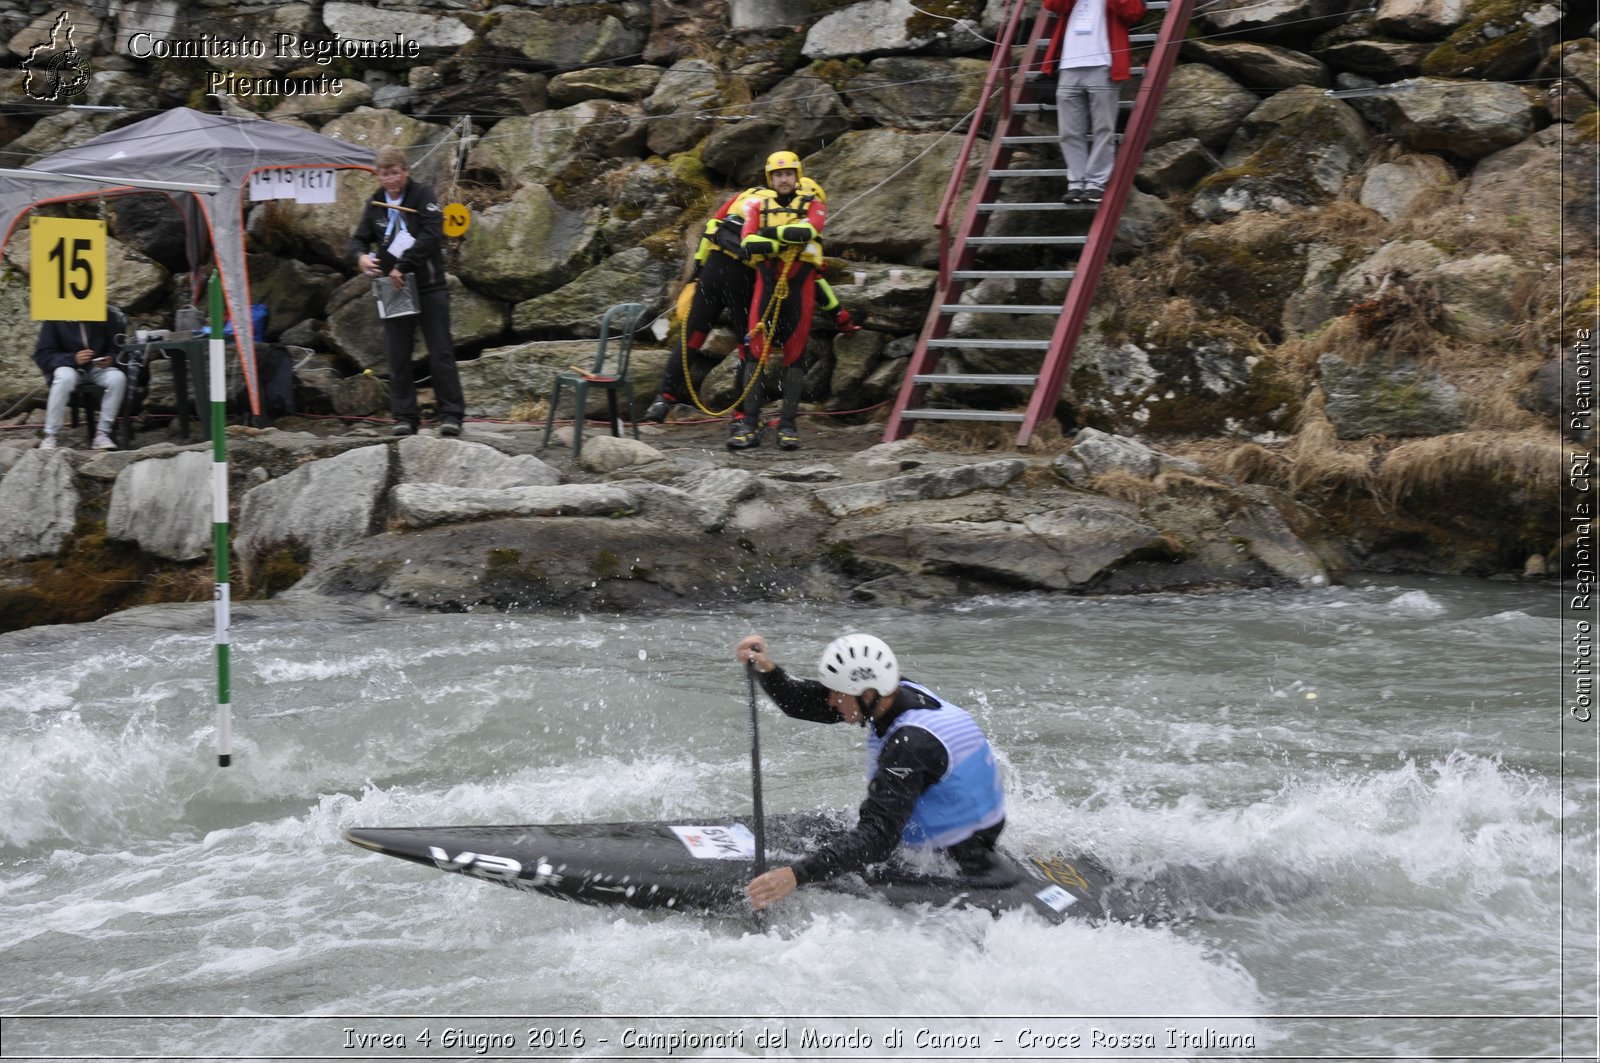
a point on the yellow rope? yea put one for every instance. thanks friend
(763, 327)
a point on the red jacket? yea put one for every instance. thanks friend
(1120, 14)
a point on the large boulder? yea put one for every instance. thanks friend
(800, 114)
(626, 84)
(1390, 188)
(876, 27)
(435, 35)
(1500, 42)
(425, 505)
(915, 92)
(528, 245)
(1479, 296)
(1176, 166)
(1389, 399)
(1546, 181)
(165, 505)
(313, 510)
(1263, 66)
(567, 37)
(659, 203)
(506, 380)
(1204, 378)
(465, 464)
(38, 505)
(1201, 104)
(1420, 20)
(536, 149)
(1284, 21)
(1466, 119)
(684, 106)
(633, 276)
(887, 221)
(1295, 150)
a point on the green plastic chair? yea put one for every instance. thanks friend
(610, 371)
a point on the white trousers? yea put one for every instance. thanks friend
(1086, 116)
(66, 379)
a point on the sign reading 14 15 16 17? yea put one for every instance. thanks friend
(69, 269)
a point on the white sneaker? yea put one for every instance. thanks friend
(103, 442)
(48, 443)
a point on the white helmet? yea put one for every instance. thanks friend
(853, 663)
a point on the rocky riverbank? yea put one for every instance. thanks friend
(1338, 331)
(492, 521)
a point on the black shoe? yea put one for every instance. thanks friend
(788, 439)
(404, 428)
(744, 436)
(1093, 195)
(1074, 195)
(450, 428)
(657, 412)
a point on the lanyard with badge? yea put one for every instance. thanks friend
(398, 239)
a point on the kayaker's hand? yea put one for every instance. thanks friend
(753, 649)
(772, 887)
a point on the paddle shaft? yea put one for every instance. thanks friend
(760, 828)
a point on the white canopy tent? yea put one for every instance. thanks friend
(204, 162)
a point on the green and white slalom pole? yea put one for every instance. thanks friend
(219, 521)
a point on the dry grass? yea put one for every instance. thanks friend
(196, 583)
(1126, 486)
(1472, 461)
(978, 437)
(1321, 461)
(534, 411)
(1253, 463)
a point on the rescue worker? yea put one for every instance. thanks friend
(782, 228)
(723, 283)
(932, 780)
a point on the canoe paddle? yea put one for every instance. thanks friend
(755, 783)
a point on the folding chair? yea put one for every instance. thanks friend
(610, 371)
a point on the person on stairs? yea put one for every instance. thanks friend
(1089, 52)
(69, 352)
(782, 228)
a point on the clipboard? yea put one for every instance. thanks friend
(395, 302)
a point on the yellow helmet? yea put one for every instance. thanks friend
(783, 160)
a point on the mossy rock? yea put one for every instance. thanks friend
(937, 16)
(1204, 378)
(1245, 271)
(1388, 399)
(1298, 149)
(1501, 40)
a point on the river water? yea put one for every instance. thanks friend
(1371, 782)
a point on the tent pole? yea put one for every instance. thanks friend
(219, 521)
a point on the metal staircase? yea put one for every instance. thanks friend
(970, 255)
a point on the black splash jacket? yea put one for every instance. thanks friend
(424, 221)
(911, 761)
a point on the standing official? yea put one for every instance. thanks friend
(401, 234)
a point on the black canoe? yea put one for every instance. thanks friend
(702, 866)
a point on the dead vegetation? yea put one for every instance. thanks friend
(1471, 463)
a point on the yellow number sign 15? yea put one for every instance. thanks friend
(68, 269)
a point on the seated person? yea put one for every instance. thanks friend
(68, 353)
